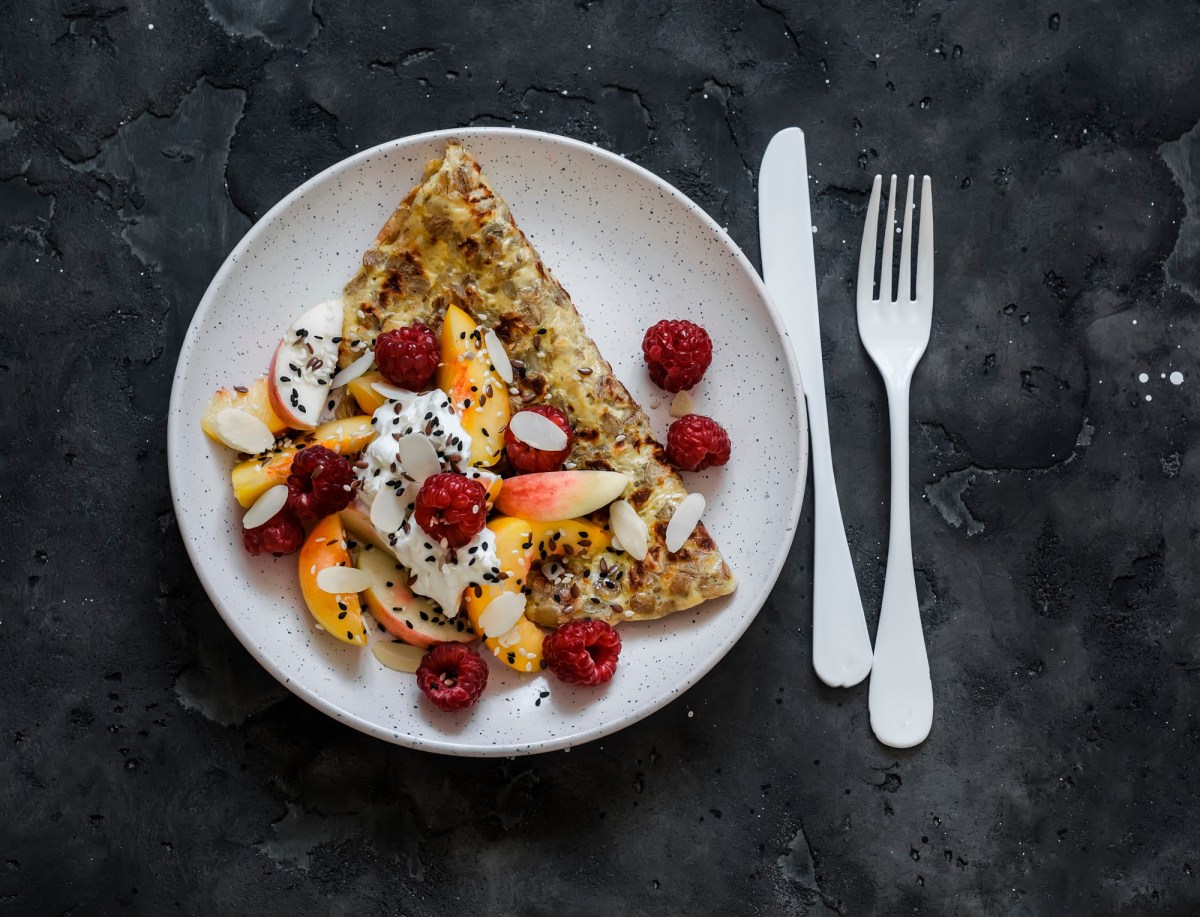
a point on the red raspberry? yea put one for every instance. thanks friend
(279, 535)
(696, 442)
(677, 352)
(525, 458)
(452, 676)
(408, 357)
(451, 506)
(582, 652)
(321, 482)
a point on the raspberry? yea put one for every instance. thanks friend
(279, 535)
(408, 357)
(677, 352)
(696, 442)
(452, 676)
(582, 652)
(321, 482)
(451, 506)
(525, 458)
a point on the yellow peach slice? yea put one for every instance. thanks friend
(362, 388)
(340, 614)
(255, 401)
(519, 545)
(479, 395)
(253, 477)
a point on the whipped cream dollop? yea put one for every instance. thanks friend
(437, 571)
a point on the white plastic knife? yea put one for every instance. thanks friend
(841, 644)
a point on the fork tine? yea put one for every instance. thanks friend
(866, 256)
(925, 245)
(889, 232)
(904, 286)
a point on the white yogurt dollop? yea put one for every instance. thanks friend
(439, 573)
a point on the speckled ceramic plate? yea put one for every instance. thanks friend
(630, 249)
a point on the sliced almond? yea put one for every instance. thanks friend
(353, 371)
(683, 521)
(628, 526)
(502, 614)
(681, 404)
(553, 571)
(399, 656)
(394, 392)
(244, 432)
(386, 511)
(418, 457)
(265, 507)
(498, 355)
(537, 432)
(342, 580)
(510, 637)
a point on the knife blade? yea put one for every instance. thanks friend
(841, 644)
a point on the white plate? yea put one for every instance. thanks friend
(630, 249)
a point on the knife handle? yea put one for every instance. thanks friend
(841, 644)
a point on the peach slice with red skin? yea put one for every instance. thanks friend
(520, 544)
(304, 362)
(403, 614)
(341, 613)
(363, 390)
(479, 395)
(549, 495)
(254, 400)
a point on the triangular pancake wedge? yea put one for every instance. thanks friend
(453, 240)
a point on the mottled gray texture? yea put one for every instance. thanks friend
(153, 768)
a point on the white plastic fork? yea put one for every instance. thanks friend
(895, 333)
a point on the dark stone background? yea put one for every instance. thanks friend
(151, 767)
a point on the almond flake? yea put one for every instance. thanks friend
(353, 371)
(510, 637)
(552, 570)
(398, 656)
(537, 432)
(266, 506)
(342, 580)
(418, 457)
(502, 614)
(498, 355)
(681, 405)
(683, 521)
(387, 512)
(244, 432)
(393, 392)
(628, 526)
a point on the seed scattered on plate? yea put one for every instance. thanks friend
(398, 656)
(353, 371)
(393, 392)
(266, 506)
(681, 404)
(683, 521)
(418, 456)
(244, 432)
(537, 432)
(628, 526)
(342, 580)
(387, 512)
(498, 355)
(502, 614)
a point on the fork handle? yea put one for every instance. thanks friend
(901, 694)
(841, 643)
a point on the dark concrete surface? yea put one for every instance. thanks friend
(151, 767)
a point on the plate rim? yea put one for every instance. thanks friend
(454, 747)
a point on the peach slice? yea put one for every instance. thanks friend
(549, 495)
(413, 618)
(520, 543)
(479, 395)
(254, 476)
(340, 614)
(255, 401)
(305, 361)
(362, 388)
